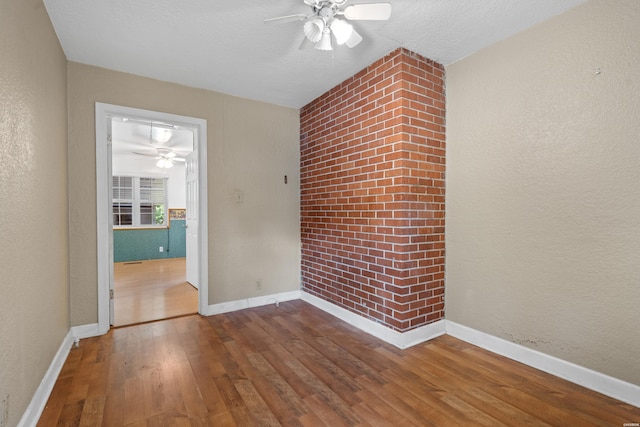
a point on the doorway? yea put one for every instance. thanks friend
(165, 124)
(150, 164)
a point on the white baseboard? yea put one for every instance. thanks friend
(32, 414)
(596, 381)
(242, 304)
(398, 339)
(85, 331)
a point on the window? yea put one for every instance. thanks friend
(139, 201)
(122, 200)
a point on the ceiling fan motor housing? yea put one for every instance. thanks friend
(326, 10)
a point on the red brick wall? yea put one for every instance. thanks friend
(372, 192)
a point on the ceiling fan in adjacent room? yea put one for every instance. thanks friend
(325, 22)
(165, 156)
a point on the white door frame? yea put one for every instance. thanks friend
(103, 113)
(191, 220)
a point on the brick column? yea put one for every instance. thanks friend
(373, 192)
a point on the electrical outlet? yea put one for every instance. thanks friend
(4, 412)
(161, 249)
(258, 285)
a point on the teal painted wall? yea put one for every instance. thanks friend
(143, 243)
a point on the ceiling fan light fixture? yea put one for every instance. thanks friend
(164, 135)
(342, 30)
(354, 39)
(165, 153)
(313, 29)
(164, 163)
(325, 41)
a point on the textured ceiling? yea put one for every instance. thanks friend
(226, 47)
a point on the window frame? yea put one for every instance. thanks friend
(136, 202)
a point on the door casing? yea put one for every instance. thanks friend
(103, 114)
(191, 169)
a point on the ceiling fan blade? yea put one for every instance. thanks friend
(144, 154)
(178, 159)
(354, 40)
(285, 19)
(368, 12)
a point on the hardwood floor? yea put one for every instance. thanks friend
(295, 365)
(151, 290)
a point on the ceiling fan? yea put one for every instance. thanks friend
(325, 19)
(165, 156)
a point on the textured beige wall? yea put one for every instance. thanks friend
(34, 283)
(251, 146)
(543, 188)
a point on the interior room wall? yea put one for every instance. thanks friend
(34, 289)
(176, 182)
(251, 146)
(144, 244)
(543, 205)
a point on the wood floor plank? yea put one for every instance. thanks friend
(346, 360)
(574, 396)
(196, 408)
(266, 392)
(543, 392)
(311, 420)
(448, 376)
(207, 386)
(153, 392)
(374, 399)
(255, 404)
(282, 388)
(71, 414)
(222, 419)
(174, 405)
(266, 326)
(331, 374)
(53, 409)
(325, 412)
(92, 412)
(435, 415)
(294, 365)
(276, 358)
(324, 393)
(499, 409)
(435, 404)
(151, 290)
(113, 414)
(371, 417)
(343, 387)
(234, 401)
(98, 381)
(133, 399)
